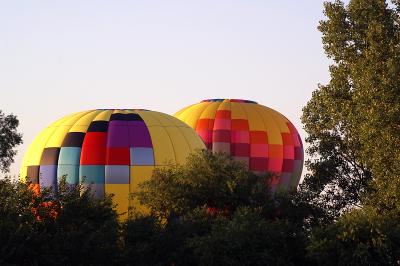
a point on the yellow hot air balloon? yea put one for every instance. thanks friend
(113, 150)
(259, 136)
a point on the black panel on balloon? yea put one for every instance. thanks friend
(98, 126)
(73, 139)
(50, 156)
(125, 117)
(32, 174)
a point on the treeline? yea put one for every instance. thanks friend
(211, 211)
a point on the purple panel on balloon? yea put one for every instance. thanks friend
(137, 124)
(139, 136)
(118, 135)
(48, 176)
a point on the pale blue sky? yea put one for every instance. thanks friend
(58, 57)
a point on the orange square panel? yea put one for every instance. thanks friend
(240, 125)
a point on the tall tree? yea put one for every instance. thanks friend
(9, 139)
(353, 122)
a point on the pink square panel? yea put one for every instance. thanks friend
(240, 137)
(222, 124)
(288, 152)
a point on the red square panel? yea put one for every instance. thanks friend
(292, 129)
(240, 125)
(223, 114)
(296, 140)
(288, 166)
(259, 150)
(118, 156)
(94, 148)
(287, 139)
(95, 139)
(298, 153)
(258, 137)
(221, 136)
(275, 165)
(204, 124)
(240, 149)
(205, 135)
(258, 164)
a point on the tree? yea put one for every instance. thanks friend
(69, 228)
(215, 181)
(212, 211)
(354, 136)
(353, 123)
(9, 139)
(250, 239)
(366, 236)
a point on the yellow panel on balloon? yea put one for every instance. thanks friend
(193, 141)
(104, 115)
(225, 105)
(121, 197)
(162, 119)
(139, 174)
(237, 112)
(181, 148)
(254, 118)
(183, 110)
(83, 123)
(280, 120)
(164, 151)
(209, 112)
(273, 130)
(148, 119)
(191, 114)
(23, 173)
(35, 152)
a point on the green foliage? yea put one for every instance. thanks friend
(360, 237)
(208, 180)
(212, 211)
(354, 136)
(353, 122)
(18, 224)
(9, 139)
(68, 228)
(249, 239)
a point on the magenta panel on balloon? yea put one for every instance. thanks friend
(139, 136)
(118, 135)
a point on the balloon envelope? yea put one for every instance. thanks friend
(109, 149)
(264, 139)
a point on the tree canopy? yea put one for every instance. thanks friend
(353, 123)
(9, 139)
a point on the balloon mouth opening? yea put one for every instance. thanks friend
(229, 100)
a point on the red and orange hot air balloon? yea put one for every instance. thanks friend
(264, 139)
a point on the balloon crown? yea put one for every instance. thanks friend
(229, 100)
